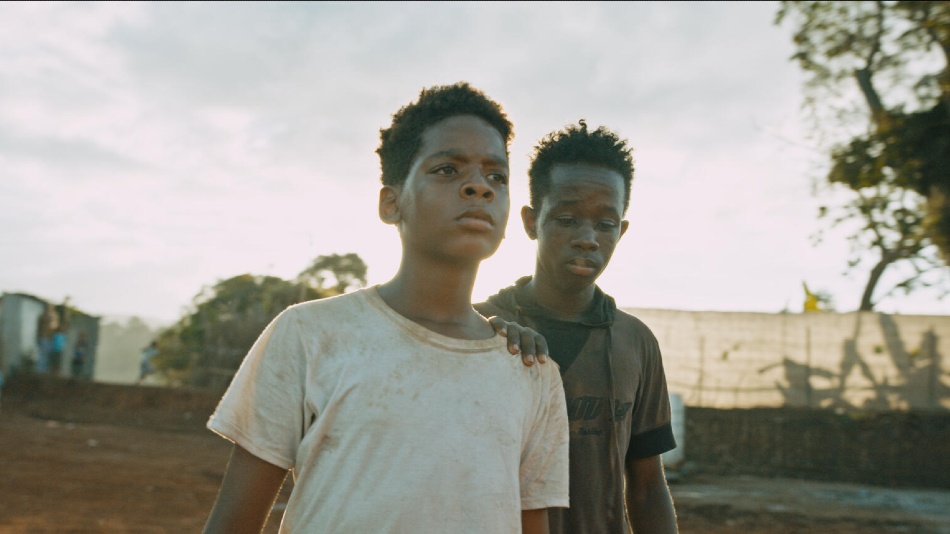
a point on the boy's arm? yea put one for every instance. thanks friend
(534, 521)
(247, 494)
(649, 503)
(521, 339)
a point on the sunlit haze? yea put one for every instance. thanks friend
(147, 150)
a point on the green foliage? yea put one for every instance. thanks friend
(206, 345)
(347, 271)
(913, 153)
(878, 85)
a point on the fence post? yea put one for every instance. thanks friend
(808, 389)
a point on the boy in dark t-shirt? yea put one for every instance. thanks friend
(610, 362)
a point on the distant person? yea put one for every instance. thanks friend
(56, 350)
(610, 362)
(46, 326)
(397, 406)
(148, 354)
(80, 351)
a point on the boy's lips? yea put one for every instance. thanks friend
(582, 266)
(477, 218)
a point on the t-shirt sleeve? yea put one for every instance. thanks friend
(544, 459)
(263, 408)
(651, 429)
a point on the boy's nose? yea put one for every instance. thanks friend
(585, 238)
(477, 187)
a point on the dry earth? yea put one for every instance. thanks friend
(90, 458)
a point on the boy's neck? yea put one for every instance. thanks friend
(437, 296)
(564, 305)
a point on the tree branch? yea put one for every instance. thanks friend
(864, 74)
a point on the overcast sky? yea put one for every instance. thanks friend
(147, 150)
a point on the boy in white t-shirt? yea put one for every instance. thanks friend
(397, 407)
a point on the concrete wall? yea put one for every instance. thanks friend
(18, 317)
(850, 362)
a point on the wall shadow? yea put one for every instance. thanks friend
(919, 385)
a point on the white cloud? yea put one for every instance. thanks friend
(148, 149)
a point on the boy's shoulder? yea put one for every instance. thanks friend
(490, 309)
(504, 303)
(629, 331)
(343, 306)
(626, 324)
(626, 319)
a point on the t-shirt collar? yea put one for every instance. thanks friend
(600, 314)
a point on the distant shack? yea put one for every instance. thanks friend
(19, 314)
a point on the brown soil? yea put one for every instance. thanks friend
(79, 457)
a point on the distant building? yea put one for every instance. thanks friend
(19, 314)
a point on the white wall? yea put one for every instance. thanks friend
(18, 319)
(828, 360)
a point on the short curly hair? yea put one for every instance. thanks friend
(577, 144)
(400, 143)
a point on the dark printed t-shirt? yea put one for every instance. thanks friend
(617, 401)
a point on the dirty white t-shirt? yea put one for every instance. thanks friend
(390, 427)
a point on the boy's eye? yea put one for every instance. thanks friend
(565, 221)
(498, 177)
(607, 225)
(445, 170)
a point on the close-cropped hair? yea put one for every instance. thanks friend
(400, 143)
(576, 143)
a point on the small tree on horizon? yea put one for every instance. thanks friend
(206, 345)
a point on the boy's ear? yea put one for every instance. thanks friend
(388, 205)
(529, 217)
(623, 227)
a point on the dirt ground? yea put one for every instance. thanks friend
(112, 460)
